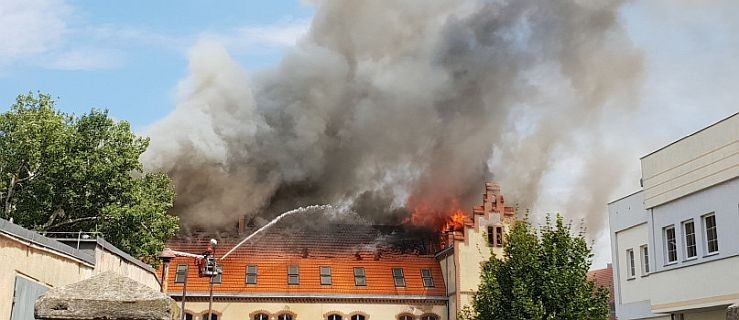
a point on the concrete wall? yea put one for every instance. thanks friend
(42, 265)
(313, 310)
(110, 259)
(633, 289)
(693, 163)
(723, 201)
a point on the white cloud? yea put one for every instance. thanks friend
(250, 38)
(86, 59)
(31, 27)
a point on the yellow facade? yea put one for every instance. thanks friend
(244, 310)
(44, 266)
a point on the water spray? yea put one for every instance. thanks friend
(284, 214)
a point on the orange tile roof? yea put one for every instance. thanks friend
(342, 247)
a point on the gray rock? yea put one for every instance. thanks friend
(732, 313)
(106, 296)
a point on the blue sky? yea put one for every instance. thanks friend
(128, 56)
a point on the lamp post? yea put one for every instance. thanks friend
(213, 267)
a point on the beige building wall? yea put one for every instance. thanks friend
(638, 288)
(108, 261)
(473, 252)
(314, 310)
(695, 162)
(703, 285)
(44, 266)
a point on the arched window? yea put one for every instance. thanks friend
(214, 316)
(334, 317)
(188, 316)
(357, 317)
(285, 316)
(429, 317)
(405, 317)
(261, 316)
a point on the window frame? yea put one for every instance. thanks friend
(362, 276)
(666, 240)
(254, 274)
(630, 264)
(293, 275)
(706, 232)
(428, 277)
(400, 277)
(282, 315)
(688, 237)
(325, 274)
(498, 230)
(177, 273)
(644, 255)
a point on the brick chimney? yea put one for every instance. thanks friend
(242, 225)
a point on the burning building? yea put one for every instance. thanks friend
(343, 271)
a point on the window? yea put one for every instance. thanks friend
(405, 317)
(188, 316)
(398, 277)
(677, 316)
(429, 317)
(285, 316)
(213, 316)
(325, 275)
(670, 244)
(644, 260)
(495, 236)
(690, 246)
(359, 277)
(261, 316)
(357, 317)
(428, 281)
(334, 317)
(293, 275)
(709, 223)
(491, 236)
(630, 267)
(251, 274)
(181, 274)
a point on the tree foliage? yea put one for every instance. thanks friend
(59, 172)
(541, 276)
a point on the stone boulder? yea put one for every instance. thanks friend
(106, 296)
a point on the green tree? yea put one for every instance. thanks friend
(64, 173)
(540, 276)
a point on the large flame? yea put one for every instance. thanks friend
(445, 216)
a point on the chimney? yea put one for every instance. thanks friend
(242, 225)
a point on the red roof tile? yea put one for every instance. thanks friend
(377, 249)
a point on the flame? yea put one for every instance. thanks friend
(443, 217)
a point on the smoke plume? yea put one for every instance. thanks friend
(386, 101)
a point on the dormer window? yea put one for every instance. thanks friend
(359, 277)
(181, 274)
(325, 275)
(251, 274)
(293, 275)
(398, 277)
(428, 281)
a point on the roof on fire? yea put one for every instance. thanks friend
(342, 247)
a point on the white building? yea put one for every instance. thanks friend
(675, 243)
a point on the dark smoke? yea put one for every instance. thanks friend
(383, 100)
